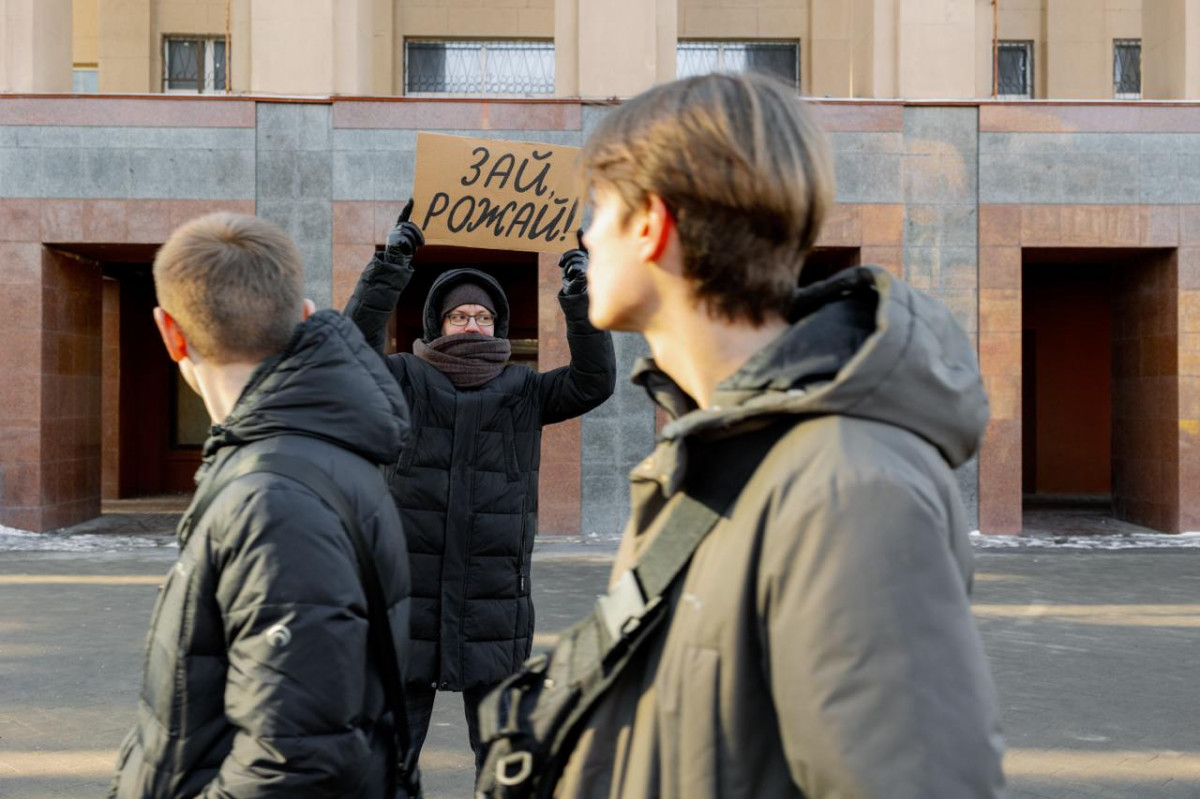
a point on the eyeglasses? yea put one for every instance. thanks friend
(483, 319)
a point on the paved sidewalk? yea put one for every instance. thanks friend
(1095, 657)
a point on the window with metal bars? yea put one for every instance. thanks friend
(480, 67)
(780, 59)
(1015, 60)
(1127, 69)
(193, 65)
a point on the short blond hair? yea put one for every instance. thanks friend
(234, 284)
(745, 170)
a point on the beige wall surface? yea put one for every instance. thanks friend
(726, 19)
(1170, 61)
(291, 47)
(85, 32)
(127, 48)
(623, 47)
(830, 49)
(937, 49)
(476, 18)
(1075, 50)
(35, 45)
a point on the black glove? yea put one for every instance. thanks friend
(574, 264)
(403, 239)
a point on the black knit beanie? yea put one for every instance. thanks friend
(467, 294)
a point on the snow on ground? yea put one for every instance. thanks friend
(20, 541)
(11, 540)
(1087, 542)
(590, 544)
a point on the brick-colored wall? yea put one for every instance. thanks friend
(70, 421)
(110, 391)
(1146, 394)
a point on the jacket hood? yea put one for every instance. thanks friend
(447, 281)
(862, 344)
(328, 384)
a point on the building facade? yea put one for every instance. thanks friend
(881, 49)
(1065, 235)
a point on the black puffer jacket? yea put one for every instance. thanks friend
(467, 486)
(226, 711)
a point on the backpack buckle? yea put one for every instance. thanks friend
(523, 761)
(622, 608)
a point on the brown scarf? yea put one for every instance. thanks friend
(468, 359)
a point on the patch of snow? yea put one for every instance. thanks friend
(1189, 540)
(21, 541)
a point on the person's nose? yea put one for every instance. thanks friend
(473, 326)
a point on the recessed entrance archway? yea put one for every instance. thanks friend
(1099, 390)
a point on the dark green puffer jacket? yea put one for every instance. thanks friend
(257, 678)
(467, 488)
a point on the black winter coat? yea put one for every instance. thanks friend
(467, 486)
(226, 710)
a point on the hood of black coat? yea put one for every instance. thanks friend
(862, 344)
(327, 384)
(447, 281)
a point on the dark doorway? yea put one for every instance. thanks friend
(1067, 366)
(163, 423)
(1094, 389)
(825, 262)
(152, 424)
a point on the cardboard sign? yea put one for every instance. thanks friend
(502, 195)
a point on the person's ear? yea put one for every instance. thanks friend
(656, 229)
(172, 336)
(310, 307)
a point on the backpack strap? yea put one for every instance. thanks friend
(534, 720)
(380, 641)
(705, 501)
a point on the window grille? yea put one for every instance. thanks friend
(1016, 69)
(481, 67)
(780, 59)
(1127, 69)
(193, 65)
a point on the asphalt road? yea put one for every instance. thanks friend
(1095, 657)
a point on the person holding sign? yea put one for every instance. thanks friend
(466, 484)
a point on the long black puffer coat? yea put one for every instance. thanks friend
(258, 681)
(467, 485)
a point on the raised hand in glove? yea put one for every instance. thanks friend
(403, 239)
(574, 264)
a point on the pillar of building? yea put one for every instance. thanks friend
(834, 26)
(35, 46)
(1170, 51)
(1078, 51)
(873, 49)
(613, 48)
(313, 47)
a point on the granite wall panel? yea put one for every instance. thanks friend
(294, 185)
